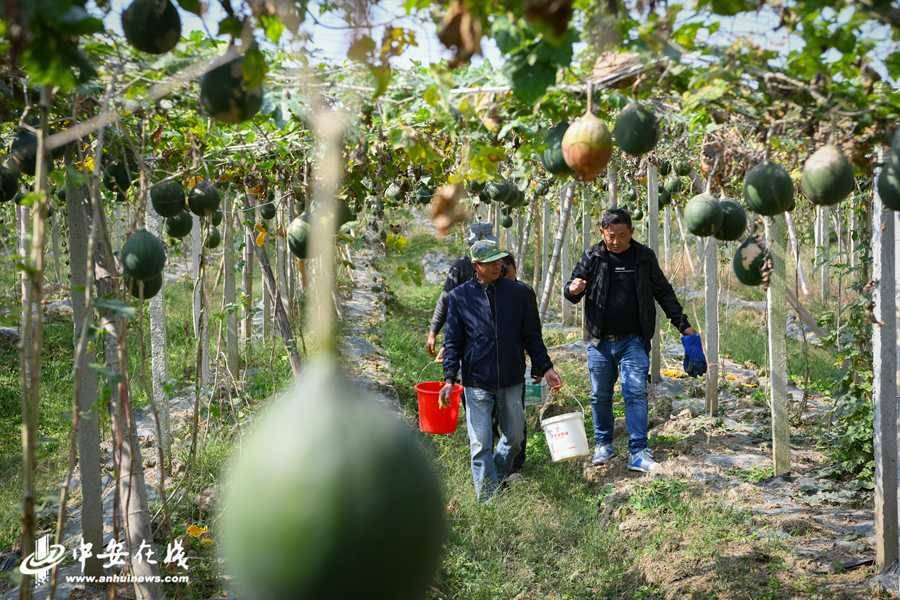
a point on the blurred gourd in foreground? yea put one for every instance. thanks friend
(331, 496)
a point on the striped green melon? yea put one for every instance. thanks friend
(180, 225)
(331, 496)
(702, 215)
(298, 237)
(167, 198)
(749, 261)
(143, 256)
(827, 176)
(225, 95)
(768, 189)
(636, 129)
(734, 221)
(888, 186)
(552, 157)
(152, 26)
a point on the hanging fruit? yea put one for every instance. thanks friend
(9, 183)
(143, 255)
(768, 189)
(168, 198)
(682, 168)
(204, 199)
(734, 221)
(552, 157)
(673, 185)
(298, 237)
(152, 25)
(664, 167)
(179, 225)
(225, 95)
(339, 485)
(749, 261)
(702, 215)
(587, 146)
(827, 176)
(888, 186)
(151, 286)
(636, 129)
(214, 238)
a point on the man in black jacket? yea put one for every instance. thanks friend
(621, 279)
(491, 323)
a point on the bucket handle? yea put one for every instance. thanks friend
(547, 404)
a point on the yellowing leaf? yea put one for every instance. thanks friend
(207, 541)
(195, 531)
(674, 373)
(191, 182)
(87, 165)
(261, 234)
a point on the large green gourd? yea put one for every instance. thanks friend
(298, 237)
(143, 255)
(331, 497)
(9, 183)
(734, 221)
(768, 189)
(204, 199)
(152, 26)
(827, 176)
(888, 186)
(702, 215)
(179, 225)
(167, 198)
(225, 95)
(894, 154)
(636, 130)
(749, 260)
(552, 157)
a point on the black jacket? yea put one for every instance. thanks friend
(461, 271)
(651, 285)
(492, 347)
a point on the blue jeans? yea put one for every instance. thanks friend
(490, 467)
(605, 362)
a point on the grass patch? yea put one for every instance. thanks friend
(752, 475)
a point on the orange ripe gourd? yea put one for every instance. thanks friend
(586, 146)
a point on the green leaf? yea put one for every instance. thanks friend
(431, 96)
(892, 62)
(686, 34)
(730, 8)
(272, 26)
(254, 67)
(530, 81)
(191, 6)
(230, 26)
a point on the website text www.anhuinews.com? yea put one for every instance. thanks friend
(127, 579)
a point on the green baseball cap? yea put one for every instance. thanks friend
(485, 251)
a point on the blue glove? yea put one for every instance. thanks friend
(694, 360)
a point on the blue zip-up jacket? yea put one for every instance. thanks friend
(492, 346)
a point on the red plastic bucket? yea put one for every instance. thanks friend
(432, 418)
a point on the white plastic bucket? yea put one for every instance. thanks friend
(566, 437)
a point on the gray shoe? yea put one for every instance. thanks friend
(642, 462)
(602, 454)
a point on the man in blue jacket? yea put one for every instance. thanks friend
(621, 282)
(491, 323)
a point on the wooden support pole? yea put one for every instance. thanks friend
(652, 235)
(667, 239)
(566, 204)
(884, 383)
(613, 185)
(776, 308)
(795, 249)
(545, 246)
(586, 227)
(232, 349)
(565, 267)
(711, 281)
